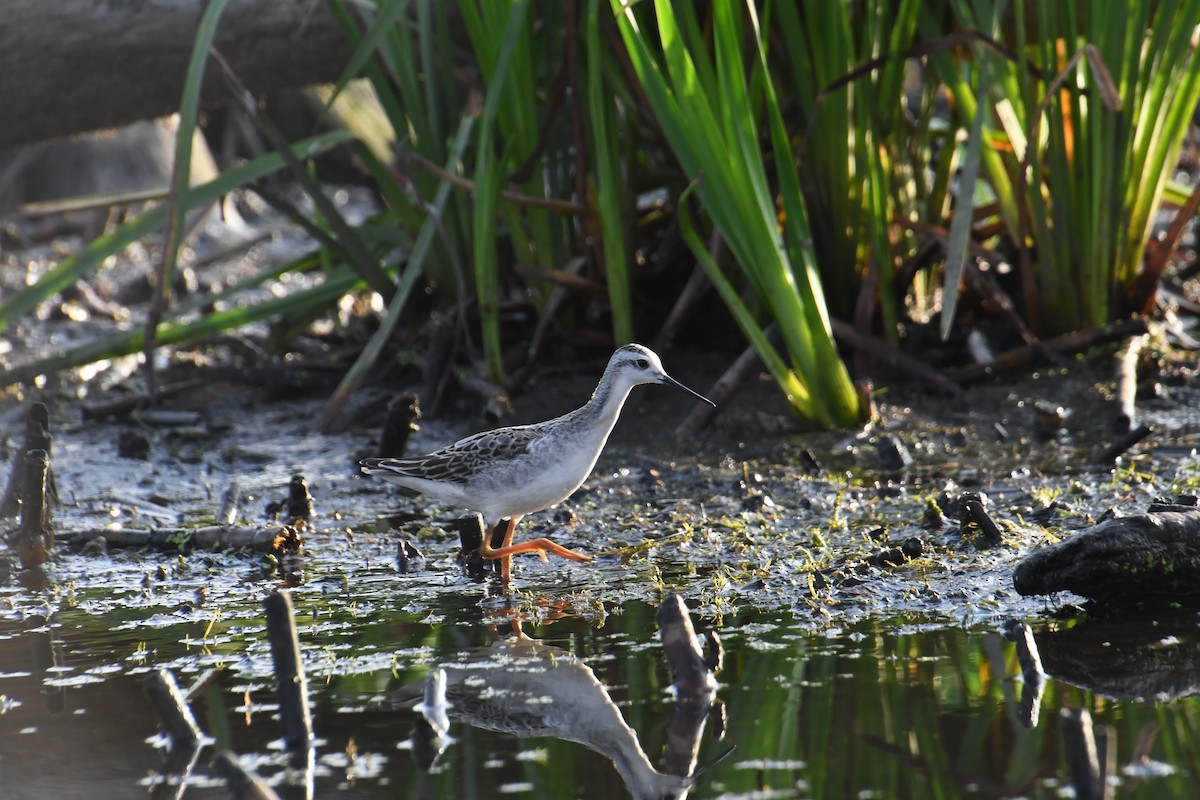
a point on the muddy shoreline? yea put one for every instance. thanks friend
(738, 515)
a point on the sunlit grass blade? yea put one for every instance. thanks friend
(185, 133)
(960, 225)
(795, 391)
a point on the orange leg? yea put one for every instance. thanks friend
(541, 546)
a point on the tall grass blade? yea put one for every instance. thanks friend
(488, 183)
(189, 109)
(611, 200)
(960, 226)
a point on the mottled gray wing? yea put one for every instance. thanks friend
(462, 460)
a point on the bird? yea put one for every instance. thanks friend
(506, 473)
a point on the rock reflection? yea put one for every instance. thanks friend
(1127, 657)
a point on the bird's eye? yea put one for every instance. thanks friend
(642, 363)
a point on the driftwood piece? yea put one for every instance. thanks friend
(496, 405)
(267, 539)
(1142, 557)
(726, 386)
(1109, 455)
(721, 393)
(76, 65)
(124, 406)
(894, 358)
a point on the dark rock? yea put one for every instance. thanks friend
(757, 501)
(1146, 557)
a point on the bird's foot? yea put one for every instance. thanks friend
(542, 547)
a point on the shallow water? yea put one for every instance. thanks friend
(882, 707)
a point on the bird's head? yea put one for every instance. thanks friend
(634, 364)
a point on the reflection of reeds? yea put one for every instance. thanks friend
(916, 715)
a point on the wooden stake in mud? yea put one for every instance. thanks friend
(402, 415)
(1087, 753)
(290, 684)
(37, 437)
(300, 502)
(35, 539)
(1032, 675)
(470, 536)
(975, 513)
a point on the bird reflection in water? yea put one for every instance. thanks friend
(526, 688)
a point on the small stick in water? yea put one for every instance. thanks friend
(291, 686)
(173, 709)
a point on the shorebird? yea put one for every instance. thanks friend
(507, 473)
